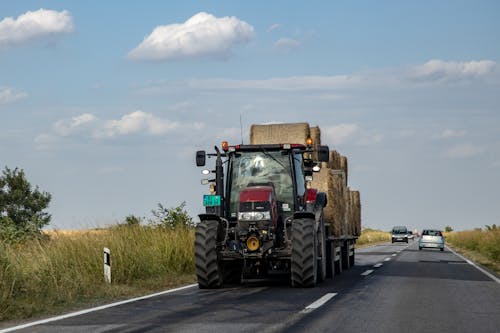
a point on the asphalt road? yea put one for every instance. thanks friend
(392, 288)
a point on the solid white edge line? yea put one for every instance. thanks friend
(98, 308)
(491, 276)
(320, 301)
(367, 272)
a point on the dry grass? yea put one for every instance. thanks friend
(481, 246)
(40, 277)
(371, 237)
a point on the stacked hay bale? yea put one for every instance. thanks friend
(343, 209)
(279, 133)
(356, 217)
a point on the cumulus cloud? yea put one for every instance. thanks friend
(339, 134)
(37, 25)
(203, 35)
(439, 70)
(274, 27)
(286, 44)
(466, 150)
(74, 125)
(138, 122)
(449, 133)
(10, 95)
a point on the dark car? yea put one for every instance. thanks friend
(399, 234)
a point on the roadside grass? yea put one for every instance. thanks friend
(66, 271)
(481, 246)
(371, 237)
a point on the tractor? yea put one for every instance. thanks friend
(262, 218)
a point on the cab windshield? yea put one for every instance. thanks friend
(262, 168)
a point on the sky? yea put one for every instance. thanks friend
(104, 103)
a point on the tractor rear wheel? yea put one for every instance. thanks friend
(304, 253)
(207, 266)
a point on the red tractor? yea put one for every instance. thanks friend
(262, 218)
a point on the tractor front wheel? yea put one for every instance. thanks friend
(207, 265)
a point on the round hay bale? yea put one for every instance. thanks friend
(279, 133)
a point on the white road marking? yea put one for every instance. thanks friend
(367, 272)
(386, 259)
(102, 307)
(378, 265)
(488, 274)
(394, 254)
(319, 302)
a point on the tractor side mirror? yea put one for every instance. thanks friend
(323, 154)
(201, 158)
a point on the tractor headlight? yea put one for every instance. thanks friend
(254, 216)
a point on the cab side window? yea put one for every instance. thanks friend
(299, 177)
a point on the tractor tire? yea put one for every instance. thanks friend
(207, 265)
(321, 245)
(304, 261)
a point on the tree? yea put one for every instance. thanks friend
(448, 229)
(22, 208)
(171, 218)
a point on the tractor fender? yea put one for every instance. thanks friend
(223, 225)
(303, 215)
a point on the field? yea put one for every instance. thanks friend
(371, 236)
(482, 246)
(66, 272)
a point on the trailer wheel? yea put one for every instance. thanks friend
(330, 259)
(304, 253)
(207, 265)
(351, 257)
(345, 255)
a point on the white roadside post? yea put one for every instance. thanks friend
(107, 265)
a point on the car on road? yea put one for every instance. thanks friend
(431, 238)
(410, 235)
(399, 234)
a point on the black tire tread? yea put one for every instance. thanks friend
(303, 261)
(207, 267)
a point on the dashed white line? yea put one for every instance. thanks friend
(319, 302)
(394, 254)
(387, 259)
(367, 272)
(378, 265)
(102, 307)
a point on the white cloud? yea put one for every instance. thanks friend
(337, 135)
(203, 35)
(449, 133)
(466, 150)
(286, 44)
(138, 122)
(439, 70)
(274, 27)
(10, 95)
(40, 24)
(74, 125)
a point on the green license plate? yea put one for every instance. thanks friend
(211, 200)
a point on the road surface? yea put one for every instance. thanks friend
(392, 288)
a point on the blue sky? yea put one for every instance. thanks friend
(103, 104)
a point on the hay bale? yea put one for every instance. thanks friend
(334, 211)
(356, 204)
(343, 166)
(279, 133)
(348, 212)
(315, 133)
(334, 162)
